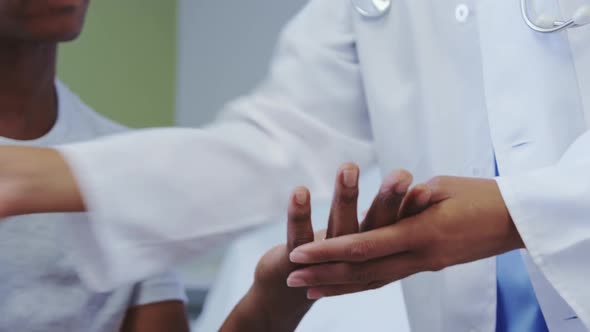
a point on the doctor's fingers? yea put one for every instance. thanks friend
(406, 235)
(385, 207)
(343, 212)
(299, 227)
(338, 278)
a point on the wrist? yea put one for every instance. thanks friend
(281, 312)
(268, 299)
(257, 311)
(513, 239)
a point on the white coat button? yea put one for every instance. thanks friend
(461, 13)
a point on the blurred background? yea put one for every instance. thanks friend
(157, 63)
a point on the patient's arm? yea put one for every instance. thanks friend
(167, 316)
(270, 305)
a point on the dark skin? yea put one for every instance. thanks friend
(381, 253)
(466, 220)
(156, 317)
(30, 31)
(270, 304)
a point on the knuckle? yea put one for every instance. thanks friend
(361, 250)
(300, 215)
(436, 183)
(323, 254)
(436, 263)
(347, 197)
(363, 276)
(389, 199)
(301, 240)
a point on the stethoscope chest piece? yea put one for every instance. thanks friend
(372, 8)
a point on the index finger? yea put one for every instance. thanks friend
(360, 247)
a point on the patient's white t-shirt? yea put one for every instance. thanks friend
(39, 289)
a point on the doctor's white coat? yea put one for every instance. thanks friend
(432, 88)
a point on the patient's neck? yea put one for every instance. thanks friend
(28, 102)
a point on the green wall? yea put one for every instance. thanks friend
(123, 64)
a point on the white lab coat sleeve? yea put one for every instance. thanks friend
(160, 196)
(551, 210)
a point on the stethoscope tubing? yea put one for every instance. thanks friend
(375, 12)
(558, 25)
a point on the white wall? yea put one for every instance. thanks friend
(223, 51)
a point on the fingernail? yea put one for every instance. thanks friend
(301, 196)
(389, 183)
(314, 294)
(299, 257)
(350, 176)
(295, 282)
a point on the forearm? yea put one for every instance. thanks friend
(155, 317)
(255, 312)
(35, 180)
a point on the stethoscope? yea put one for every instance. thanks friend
(543, 23)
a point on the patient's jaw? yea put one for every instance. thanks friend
(29, 33)
(41, 20)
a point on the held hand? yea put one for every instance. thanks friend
(270, 305)
(391, 203)
(467, 220)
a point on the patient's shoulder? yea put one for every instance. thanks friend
(83, 120)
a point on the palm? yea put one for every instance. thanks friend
(272, 272)
(274, 268)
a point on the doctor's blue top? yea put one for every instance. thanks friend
(518, 309)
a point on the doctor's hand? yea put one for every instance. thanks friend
(466, 220)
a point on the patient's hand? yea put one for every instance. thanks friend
(270, 305)
(393, 202)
